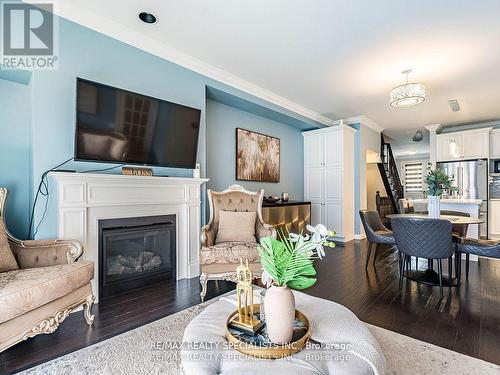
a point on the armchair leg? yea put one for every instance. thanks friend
(203, 282)
(87, 309)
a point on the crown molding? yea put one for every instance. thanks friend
(433, 128)
(125, 34)
(364, 121)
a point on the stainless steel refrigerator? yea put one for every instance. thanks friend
(471, 179)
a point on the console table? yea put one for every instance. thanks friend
(291, 216)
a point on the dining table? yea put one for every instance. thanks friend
(429, 276)
(454, 219)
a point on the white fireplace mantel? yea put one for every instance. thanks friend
(85, 198)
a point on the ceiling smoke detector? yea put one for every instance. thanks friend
(455, 107)
(418, 136)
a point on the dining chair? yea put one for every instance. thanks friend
(486, 248)
(426, 238)
(406, 206)
(376, 233)
(458, 233)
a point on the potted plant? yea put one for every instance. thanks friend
(288, 263)
(437, 181)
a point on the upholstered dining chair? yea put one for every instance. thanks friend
(426, 238)
(220, 253)
(458, 233)
(376, 233)
(485, 248)
(406, 206)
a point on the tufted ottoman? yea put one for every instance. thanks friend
(340, 343)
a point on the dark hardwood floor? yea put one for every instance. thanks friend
(467, 321)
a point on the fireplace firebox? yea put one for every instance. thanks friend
(135, 252)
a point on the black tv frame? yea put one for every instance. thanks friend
(75, 158)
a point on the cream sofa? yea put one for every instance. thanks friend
(48, 285)
(219, 260)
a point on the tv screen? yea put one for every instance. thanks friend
(119, 126)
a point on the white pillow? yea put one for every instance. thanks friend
(236, 227)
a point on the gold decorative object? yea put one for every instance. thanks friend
(244, 319)
(133, 171)
(273, 351)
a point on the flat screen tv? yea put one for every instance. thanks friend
(119, 126)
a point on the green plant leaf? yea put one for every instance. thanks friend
(301, 282)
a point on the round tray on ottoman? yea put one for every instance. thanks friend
(258, 344)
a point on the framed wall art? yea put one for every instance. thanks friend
(257, 156)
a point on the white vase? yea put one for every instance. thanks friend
(280, 313)
(434, 206)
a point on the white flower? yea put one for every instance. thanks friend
(321, 251)
(319, 235)
(298, 239)
(267, 280)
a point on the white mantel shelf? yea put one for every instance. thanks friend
(85, 198)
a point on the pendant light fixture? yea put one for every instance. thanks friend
(408, 94)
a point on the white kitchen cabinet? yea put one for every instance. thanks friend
(494, 219)
(329, 178)
(476, 145)
(449, 147)
(464, 145)
(495, 144)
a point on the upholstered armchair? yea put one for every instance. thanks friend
(219, 260)
(41, 283)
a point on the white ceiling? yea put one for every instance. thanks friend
(337, 58)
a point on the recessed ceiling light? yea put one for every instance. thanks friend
(147, 17)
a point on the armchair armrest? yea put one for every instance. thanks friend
(42, 253)
(207, 235)
(264, 230)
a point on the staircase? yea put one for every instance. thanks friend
(389, 173)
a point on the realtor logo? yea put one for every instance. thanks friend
(29, 36)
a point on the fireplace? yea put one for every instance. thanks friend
(135, 252)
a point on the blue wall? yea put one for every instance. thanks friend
(87, 54)
(15, 159)
(221, 124)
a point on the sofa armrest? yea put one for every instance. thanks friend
(207, 236)
(264, 230)
(42, 253)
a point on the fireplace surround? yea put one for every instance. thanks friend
(135, 252)
(85, 199)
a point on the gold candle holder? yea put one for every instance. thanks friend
(245, 319)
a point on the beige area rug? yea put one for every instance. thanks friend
(134, 352)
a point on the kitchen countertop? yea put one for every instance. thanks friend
(453, 201)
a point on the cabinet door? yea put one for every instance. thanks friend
(449, 147)
(333, 218)
(495, 145)
(494, 219)
(475, 146)
(332, 183)
(317, 213)
(314, 184)
(332, 145)
(313, 150)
